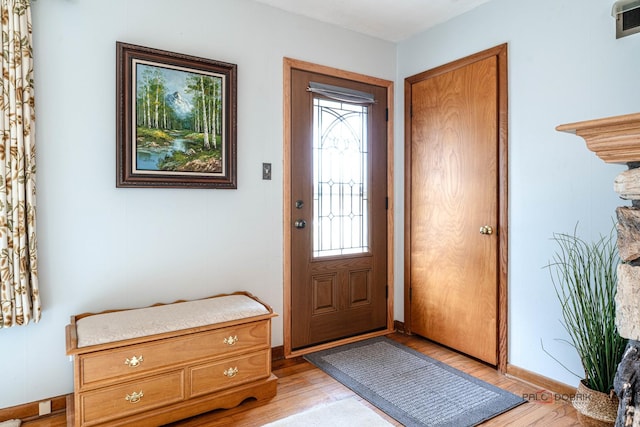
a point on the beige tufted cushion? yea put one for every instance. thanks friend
(122, 325)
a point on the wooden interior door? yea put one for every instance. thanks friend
(456, 205)
(338, 211)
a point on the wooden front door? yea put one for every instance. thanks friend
(456, 204)
(338, 208)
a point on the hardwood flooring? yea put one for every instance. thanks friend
(302, 386)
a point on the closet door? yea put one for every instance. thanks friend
(454, 191)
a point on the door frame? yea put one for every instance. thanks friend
(290, 64)
(500, 52)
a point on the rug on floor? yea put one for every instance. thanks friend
(411, 387)
(341, 413)
(10, 423)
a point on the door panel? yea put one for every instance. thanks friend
(454, 190)
(339, 254)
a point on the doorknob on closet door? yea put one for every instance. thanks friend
(486, 229)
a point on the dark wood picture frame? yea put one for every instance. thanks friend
(176, 120)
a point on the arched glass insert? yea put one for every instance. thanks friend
(340, 178)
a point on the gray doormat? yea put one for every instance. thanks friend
(411, 387)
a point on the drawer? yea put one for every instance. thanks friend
(109, 403)
(210, 377)
(138, 359)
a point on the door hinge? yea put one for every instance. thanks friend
(410, 293)
(386, 114)
(386, 292)
(386, 203)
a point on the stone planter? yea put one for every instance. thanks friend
(595, 409)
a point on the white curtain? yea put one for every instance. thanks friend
(19, 295)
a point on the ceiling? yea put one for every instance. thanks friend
(392, 20)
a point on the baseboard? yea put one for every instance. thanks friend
(30, 411)
(399, 326)
(277, 353)
(540, 381)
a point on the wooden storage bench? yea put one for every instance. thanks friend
(154, 365)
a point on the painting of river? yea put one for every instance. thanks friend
(176, 120)
(179, 118)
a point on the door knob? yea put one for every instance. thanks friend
(300, 223)
(486, 229)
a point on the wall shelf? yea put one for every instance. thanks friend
(613, 139)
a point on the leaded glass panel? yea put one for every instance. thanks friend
(340, 176)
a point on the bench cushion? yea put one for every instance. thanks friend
(121, 325)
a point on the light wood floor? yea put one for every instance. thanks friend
(302, 386)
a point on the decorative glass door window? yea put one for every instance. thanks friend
(340, 178)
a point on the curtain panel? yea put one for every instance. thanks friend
(19, 295)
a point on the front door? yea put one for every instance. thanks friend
(457, 204)
(338, 217)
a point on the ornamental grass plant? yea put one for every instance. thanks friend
(584, 275)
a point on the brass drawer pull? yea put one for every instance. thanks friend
(231, 372)
(134, 397)
(231, 340)
(134, 362)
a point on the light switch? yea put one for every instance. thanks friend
(266, 171)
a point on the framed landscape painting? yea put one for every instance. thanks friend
(176, 120)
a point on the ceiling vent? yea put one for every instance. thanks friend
(627, 15)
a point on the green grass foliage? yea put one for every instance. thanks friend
(584, 276)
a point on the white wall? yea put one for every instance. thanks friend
(102, 247)
(565, 65)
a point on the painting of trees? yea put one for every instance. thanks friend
(152, 108)
(206, 92)
(176, 119)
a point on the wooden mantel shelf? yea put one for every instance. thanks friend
(613, 139)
